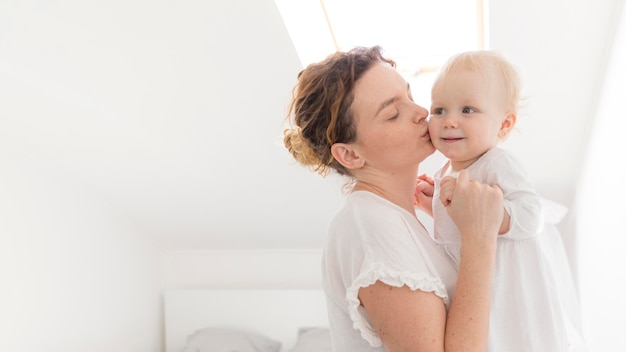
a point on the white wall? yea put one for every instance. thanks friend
(599, 200)
(561, 50)
(72, 277)
(122, 127)
(271, 269)
(75, 274)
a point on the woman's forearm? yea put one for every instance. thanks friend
(467, 325)
(477, 210)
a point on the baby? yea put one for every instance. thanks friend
(475, 101)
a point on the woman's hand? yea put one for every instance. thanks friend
(477, 209)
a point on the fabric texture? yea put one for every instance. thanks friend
(313, 339)
(226, 339)
(371, 239)
(534, 302)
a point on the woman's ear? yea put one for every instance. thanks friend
(507, 125)
(347, 156)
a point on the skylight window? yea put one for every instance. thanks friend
(418, 34)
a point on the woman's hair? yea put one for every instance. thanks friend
(487, 62)
(319, 112)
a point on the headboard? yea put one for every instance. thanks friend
(276, 313)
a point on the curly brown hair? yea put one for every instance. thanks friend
(319, 112)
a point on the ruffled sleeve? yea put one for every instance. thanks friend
(397, 251)
(552, 212)
(380, 272)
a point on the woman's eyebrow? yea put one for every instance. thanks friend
(384, 104)
(390, 101)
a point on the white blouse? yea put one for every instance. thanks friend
(371, 239)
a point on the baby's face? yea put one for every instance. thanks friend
(466, 116)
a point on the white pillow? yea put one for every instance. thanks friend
(313, 339)
(225, 339)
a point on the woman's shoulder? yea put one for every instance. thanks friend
(370, 218)
(374, 221)
(374, 210)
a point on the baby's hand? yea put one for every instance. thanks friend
(423, 196)
(446, 190)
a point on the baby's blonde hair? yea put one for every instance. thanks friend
(487, 62)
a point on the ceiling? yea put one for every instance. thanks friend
(161, 115)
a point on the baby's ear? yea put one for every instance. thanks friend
(347, 156)
(507, 124)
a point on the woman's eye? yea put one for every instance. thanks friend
(468, 110)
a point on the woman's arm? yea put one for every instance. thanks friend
(409, 320)
(477, 210)
(467, 325)
(405, 320)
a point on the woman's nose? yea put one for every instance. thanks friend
(421, 114)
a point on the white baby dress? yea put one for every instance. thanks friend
(534, 301)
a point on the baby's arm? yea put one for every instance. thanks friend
(522, 205)
(423, 196)
(506, 223)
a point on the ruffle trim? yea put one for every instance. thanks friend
(378, 272)
(552, 211)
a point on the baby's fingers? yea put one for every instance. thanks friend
(447, 190)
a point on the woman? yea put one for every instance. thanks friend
(388, 286)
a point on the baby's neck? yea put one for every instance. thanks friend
(453, 168)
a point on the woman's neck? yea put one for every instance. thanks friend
(395, 191)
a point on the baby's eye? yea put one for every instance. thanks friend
(437, 111)
(468, 110)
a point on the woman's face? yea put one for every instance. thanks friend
(391, 130)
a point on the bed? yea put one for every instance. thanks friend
(242, 320)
